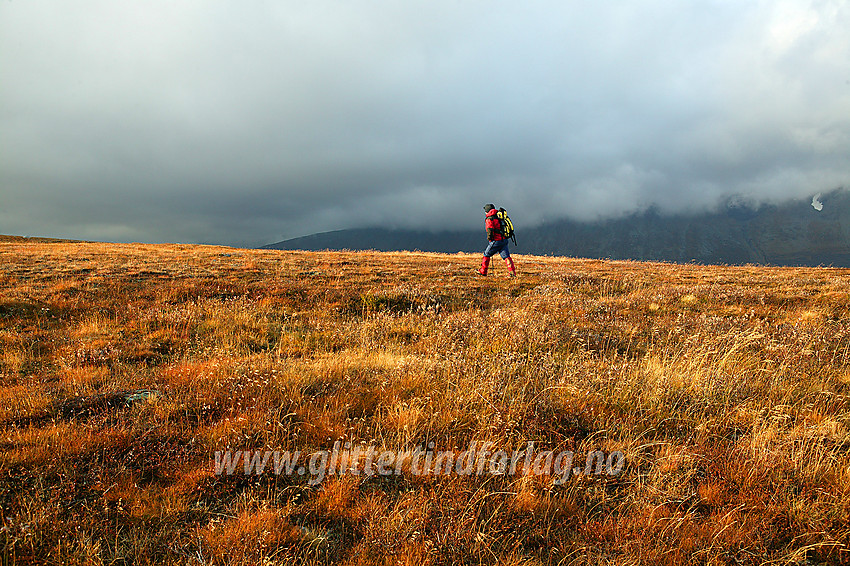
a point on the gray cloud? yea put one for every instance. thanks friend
(248, 122)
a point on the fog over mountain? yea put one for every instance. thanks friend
(795, 233)
(251, 122)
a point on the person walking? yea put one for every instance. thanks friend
(498, 242)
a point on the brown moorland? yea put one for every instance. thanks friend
(124, 368)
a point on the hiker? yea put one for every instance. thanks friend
(498, 239)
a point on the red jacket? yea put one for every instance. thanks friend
(494, 226)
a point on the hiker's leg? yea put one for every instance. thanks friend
(485, 263)
(506, 255)
(488, 253)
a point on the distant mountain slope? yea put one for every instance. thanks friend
(385, 240)
(29, 240)
(793, 233)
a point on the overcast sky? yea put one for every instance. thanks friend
(247, 122)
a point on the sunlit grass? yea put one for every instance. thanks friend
(725, 387)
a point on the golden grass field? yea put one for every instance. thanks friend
(725, 387)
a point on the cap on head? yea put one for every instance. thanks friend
(488, 207)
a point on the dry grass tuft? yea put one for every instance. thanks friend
(245, 539)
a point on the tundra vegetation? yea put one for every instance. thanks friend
(125, 367)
